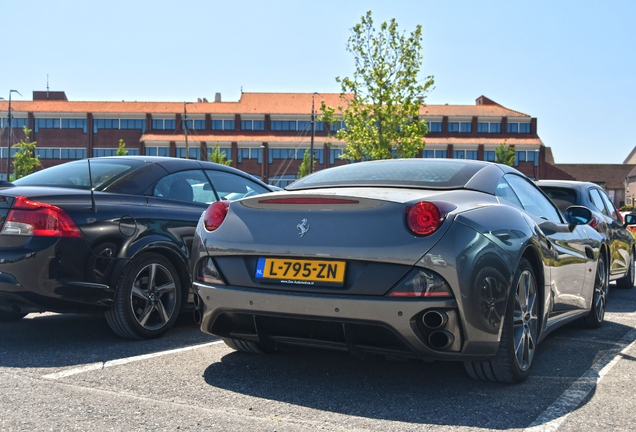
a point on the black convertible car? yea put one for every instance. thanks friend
(109, 235)
(431, 259)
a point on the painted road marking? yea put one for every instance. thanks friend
(554, 416)
(118, 362)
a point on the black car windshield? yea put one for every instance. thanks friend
(74, 175)
(419, 173)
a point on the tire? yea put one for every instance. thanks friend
(245, 346)
(517, 346)
(599, 299)
(11, 316)
(628, 280)
(147, 299)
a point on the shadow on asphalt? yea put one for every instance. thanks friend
(437, 393)
(59, 340)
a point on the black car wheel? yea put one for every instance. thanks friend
(513, 360)
(147, 300)
(11, 316)
(628, 280)
(601, 281)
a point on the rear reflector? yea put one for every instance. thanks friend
(308, 201)
(215, 215)
(422, 283)
(38, 219)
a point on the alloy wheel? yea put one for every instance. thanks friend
(600, 289)
(153, 296)
(525, 320)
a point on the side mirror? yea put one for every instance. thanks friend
(578, 215)
(630, 219)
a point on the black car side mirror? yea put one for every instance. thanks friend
(578, 215)
(630, 219)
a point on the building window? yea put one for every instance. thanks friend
(435, 126)
(283, 125)
(158, 151)
(459, 127)
(194, 124)
(453, 127)
(465, 154)
(277, 153)
(337, 125)
(518, 127)
(306, 126)
(222, 125)
(13, 152)
(105, 124)
(438, 154)
(164, 124)
(334, 155)
(489, 127)
(527, 156)
(259, 124)
(490, 156)
(246, 124)
(47, 153)
(73, 153)
(132, 124)
(17, 123)
(74, 124)
(282, 180)
(46, 124)
(113, 152)
(465, 127)
(250, 153)
(195, 152)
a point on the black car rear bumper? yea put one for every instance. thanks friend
(49, 274)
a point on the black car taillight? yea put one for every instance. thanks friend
(208, 273)
(38, 219)
(215, 215)
(422, 283)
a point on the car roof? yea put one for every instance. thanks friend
(570, 184)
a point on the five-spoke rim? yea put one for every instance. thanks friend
(153, 296)
(600, 289)
(525, 320)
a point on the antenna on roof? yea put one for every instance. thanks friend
(241, 89)
(47, 86)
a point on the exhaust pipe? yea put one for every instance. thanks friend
(441, 339)
(197, 314)
(435, 319)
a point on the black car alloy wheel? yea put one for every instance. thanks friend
(628, 280)
(148, 298)
(599, 300)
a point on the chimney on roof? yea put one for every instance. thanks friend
(483, 100)
(205, 100)
(217, 97)
(49, 95)
(199, 100)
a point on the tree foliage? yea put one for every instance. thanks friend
(505, 155)
(23, 161)
(303, 170)
(121, 150)
(219, 156)
(380, 105)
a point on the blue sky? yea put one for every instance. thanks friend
(571, 64)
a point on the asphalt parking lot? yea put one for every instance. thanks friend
(69, 372)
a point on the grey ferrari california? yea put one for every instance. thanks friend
(436, 259)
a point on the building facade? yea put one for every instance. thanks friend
(264, 134)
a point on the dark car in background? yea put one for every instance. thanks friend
(435, 259)
(110, 235)
(607, 221)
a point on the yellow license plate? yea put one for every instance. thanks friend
(303, 272)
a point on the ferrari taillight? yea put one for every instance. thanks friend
(215, 215)
(38, 219)
(423, 218)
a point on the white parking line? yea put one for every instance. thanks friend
(110, 363)
(554, 416)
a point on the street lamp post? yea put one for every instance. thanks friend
(9, 136)
(313, 133)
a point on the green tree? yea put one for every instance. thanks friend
(23, 160)
(380, 102)
(219, 157)
(121, 151)
(505, 155)
(303, 170)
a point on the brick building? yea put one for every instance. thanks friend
(264, 134)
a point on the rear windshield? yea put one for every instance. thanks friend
(560, 196)
(74, 175)
(419, 173)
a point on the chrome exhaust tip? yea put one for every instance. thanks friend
(434, 319)
(441, 339)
